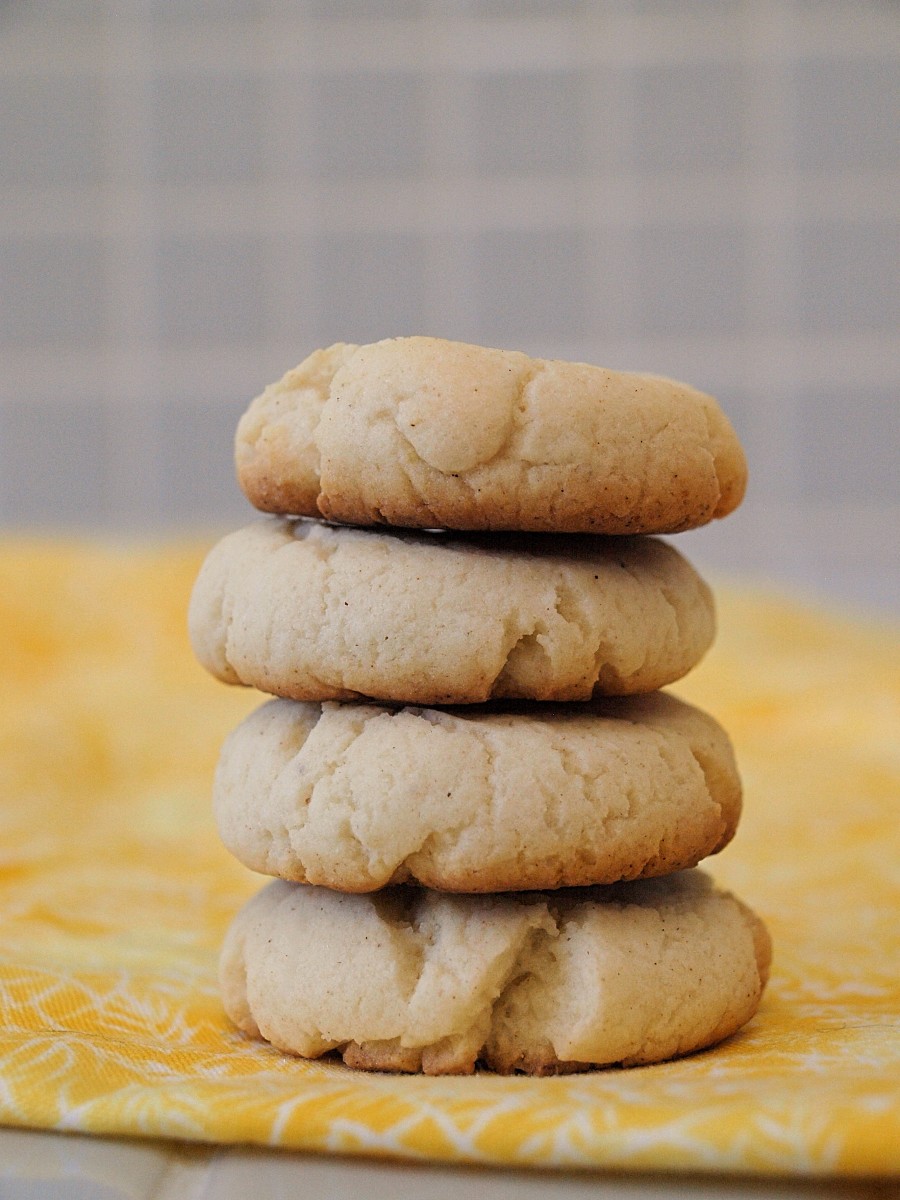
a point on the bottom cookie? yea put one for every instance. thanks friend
(545, 983)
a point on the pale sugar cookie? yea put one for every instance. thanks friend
(424, 432)
(318, 612)
(355, 797)
(413, 980)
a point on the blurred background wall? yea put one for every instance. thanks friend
(196, 193)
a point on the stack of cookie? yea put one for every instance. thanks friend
(476, 715)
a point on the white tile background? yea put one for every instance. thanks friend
(194, 194)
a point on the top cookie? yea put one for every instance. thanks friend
(427, 433)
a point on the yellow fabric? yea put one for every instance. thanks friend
(114, 895)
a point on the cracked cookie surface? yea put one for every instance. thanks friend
(316, 612)
(428, 433)
(413, 980)
(355, 797)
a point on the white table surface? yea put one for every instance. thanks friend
(51, 1166)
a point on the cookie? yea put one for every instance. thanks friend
(428, 433)
(355, 797)
(412, 980)
(316, 612)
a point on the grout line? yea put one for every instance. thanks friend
(593, 198)
(770, 247)
(446, 196)
(466, 44)
(600, 206)
(784, 364)
(131, 390)
(626, 197)
(285, 214)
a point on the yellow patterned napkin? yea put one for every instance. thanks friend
(114, 895)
